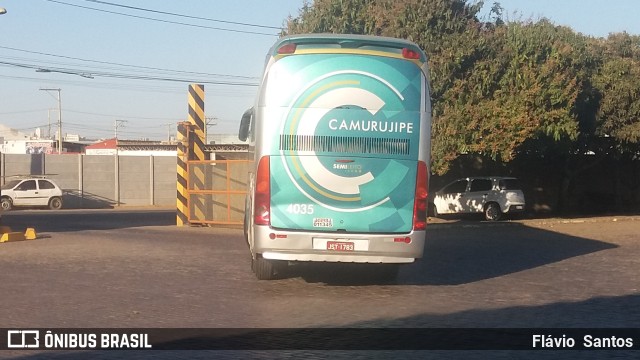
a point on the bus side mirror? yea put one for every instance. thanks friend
(245, 123)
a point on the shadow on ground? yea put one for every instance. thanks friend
(80, 220)
(74, 199)
(476, 334)
(453, 255)
(461, 254)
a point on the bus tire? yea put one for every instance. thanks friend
(246, 233)
(263, 268)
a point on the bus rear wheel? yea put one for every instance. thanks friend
(266, 269)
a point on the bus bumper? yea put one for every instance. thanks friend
(338, 247)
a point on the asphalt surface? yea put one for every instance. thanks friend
(129, 268)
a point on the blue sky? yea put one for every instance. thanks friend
(590, 17)
(61, 34)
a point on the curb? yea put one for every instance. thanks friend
(6, 235)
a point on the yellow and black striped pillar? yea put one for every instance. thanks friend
(196, 147)
(182, 213)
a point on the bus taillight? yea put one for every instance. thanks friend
(262, 208)
(410, 54)
(289, 48)
(420, 202)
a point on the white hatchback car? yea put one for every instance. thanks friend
(491, 195)
(31, 191)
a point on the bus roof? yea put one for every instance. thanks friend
(355, 43)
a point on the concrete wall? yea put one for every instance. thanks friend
(164, 180)
(93, 182)
(96, 180)
(134, 176)
(66, 171)
(22, 164)
(99, 181)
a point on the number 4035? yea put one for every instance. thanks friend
(302, 209)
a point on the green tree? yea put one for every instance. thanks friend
(334, 16)
(524, 88)
(617, 119)
(447, 30)
(507, 90)
(618, 82)
(493, 87)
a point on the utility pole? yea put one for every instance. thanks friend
(209, 121)
(59, 117)
(116, 125)
(169, 126)
(49, 121)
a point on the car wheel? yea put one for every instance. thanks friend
(6, 203)
(55, 203)
(492, 212)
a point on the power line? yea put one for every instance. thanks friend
(161, 20)
(126, 65)
(121, 116)
(150, 130)
(184, 16)
(162, 89)
(21, 112)
(13, 130)
(91, 74)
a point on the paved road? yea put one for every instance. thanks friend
(55, 221)
(113, 268)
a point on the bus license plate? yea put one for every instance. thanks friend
(340, 246)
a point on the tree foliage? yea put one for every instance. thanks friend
(618, 82)
(501, 89)
(526, 86)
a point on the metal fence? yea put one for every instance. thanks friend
(216, 191)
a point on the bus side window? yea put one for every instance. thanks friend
(245, 124)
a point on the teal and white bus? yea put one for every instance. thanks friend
(340, 138)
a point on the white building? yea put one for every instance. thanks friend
(131, 148)
(28, 146)
(16, 142)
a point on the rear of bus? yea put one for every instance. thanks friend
(340, 135)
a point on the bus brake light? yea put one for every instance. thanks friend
(410, 54)
(420, 202)
(262, 207)
(287, 49)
